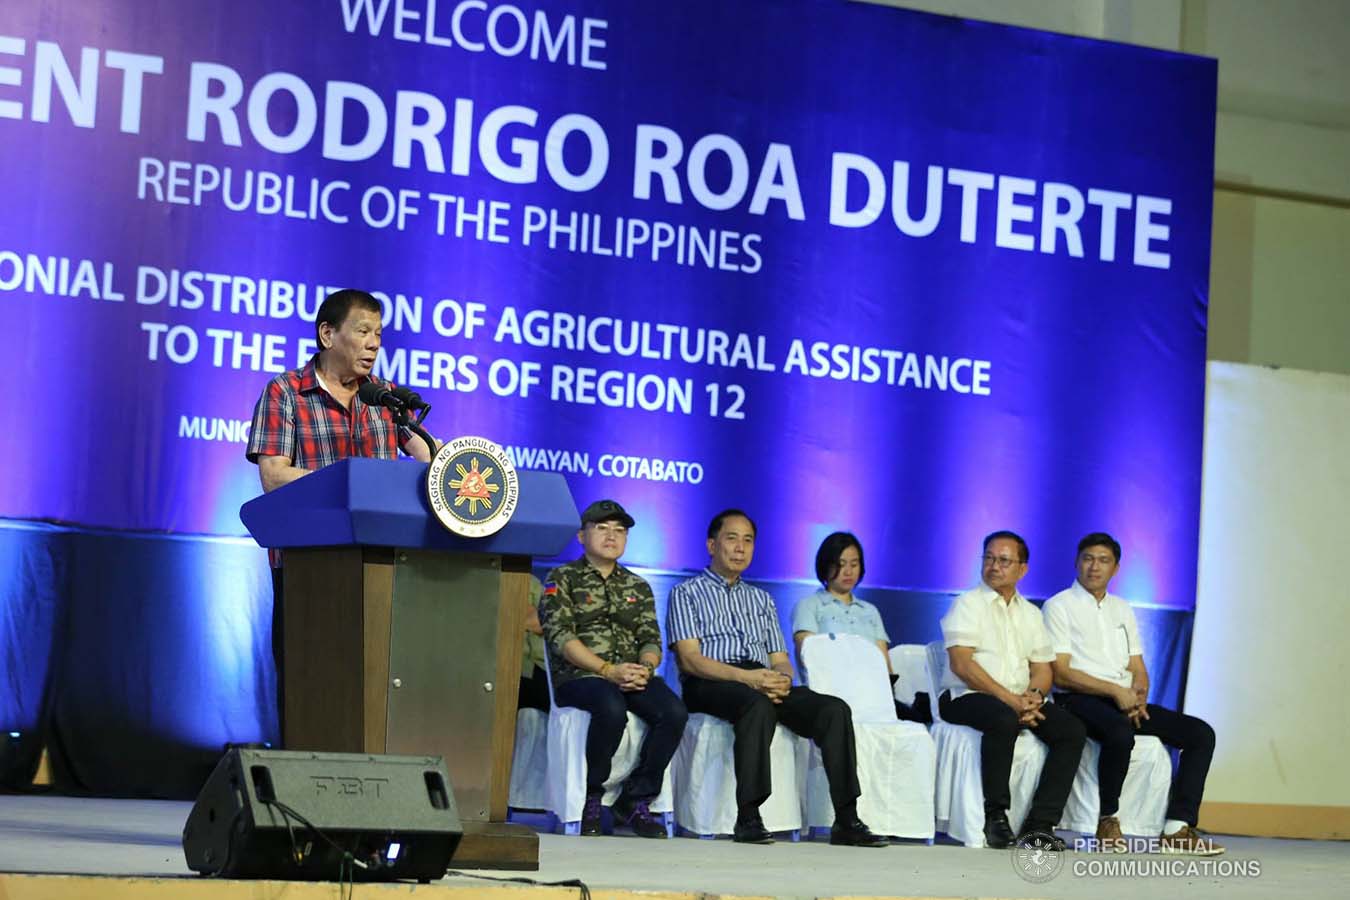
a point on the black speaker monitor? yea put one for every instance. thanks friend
(293, 815)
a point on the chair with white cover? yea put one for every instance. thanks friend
(909, 662)
(566, 789)
(529, 761)
(704, 772)
(959, 797)
(1143, 797)
(896, 760)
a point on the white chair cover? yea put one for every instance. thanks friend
(529, 761)
(896, 760)
(566, 788)
(704, 773)
(910, 664)
(851, 668)
(1143, 798)
(959, 797)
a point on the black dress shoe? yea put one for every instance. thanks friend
(998, 834)
(751, 830)
(1041, 836)
(590, 817)
(855, 834)
(638, 816)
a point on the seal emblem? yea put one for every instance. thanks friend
(472, 486)
(1035, 858)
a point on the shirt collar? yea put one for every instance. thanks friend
(825, 593)
(309, 376)
(709, 573)
(992, 596)
(618, 567)
(1085, 595)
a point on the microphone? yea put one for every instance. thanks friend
(400, 400)
(373, 394)
(410, 400)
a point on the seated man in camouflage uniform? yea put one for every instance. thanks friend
(603, 647)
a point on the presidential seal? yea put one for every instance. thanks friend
(472, 486)
(1036, 857)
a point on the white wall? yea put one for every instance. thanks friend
(1280, 281)
(1268, 664)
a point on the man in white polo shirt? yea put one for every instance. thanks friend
(997, 683)
(1099, 669)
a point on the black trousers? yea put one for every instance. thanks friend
(279, 653)
(1110, 727)
(533, 690)
(824, 719)
(998, 725)
(656, 705)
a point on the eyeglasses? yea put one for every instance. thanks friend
(999, 562)
(611, 528)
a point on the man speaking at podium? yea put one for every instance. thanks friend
(312, 417)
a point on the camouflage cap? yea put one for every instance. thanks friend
(607, 511)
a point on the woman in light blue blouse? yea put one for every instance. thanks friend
(833, 609)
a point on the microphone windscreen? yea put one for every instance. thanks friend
(372, 394)
(409, 398)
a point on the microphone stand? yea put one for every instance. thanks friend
(403, 420)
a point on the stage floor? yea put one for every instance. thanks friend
(61, 835)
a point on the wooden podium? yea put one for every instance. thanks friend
(404, 638)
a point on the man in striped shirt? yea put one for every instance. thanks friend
(734, 665)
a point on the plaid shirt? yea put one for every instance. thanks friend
(295, 417)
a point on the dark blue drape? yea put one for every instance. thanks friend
(33, 581)
(134, 658)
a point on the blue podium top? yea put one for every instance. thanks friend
(383, 503)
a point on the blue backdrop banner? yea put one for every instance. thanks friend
(839, 264)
